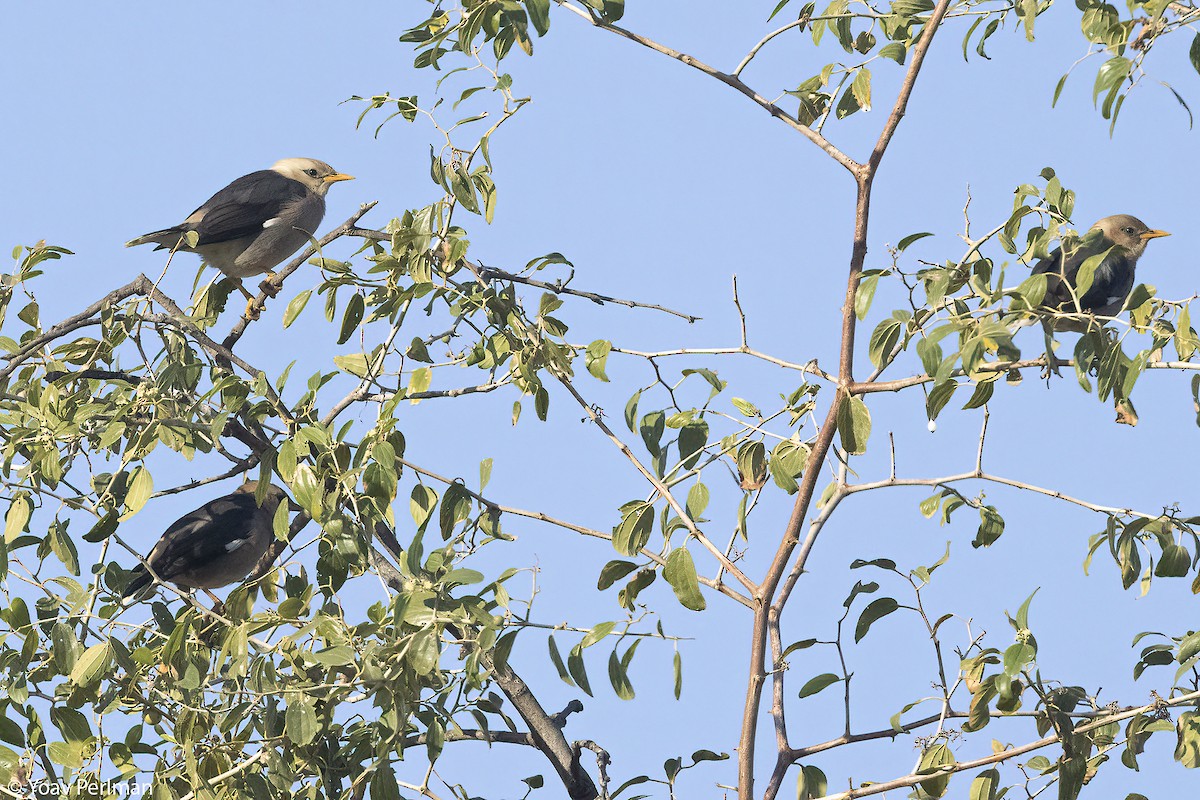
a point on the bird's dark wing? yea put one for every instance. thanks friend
(241, 208)
(1113, 278)
(205, 535)
(1057, 294)
(1111, 284)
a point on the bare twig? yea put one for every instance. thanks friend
(1005, 755)
(729, 80)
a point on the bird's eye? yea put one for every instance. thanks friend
(1130, 231)
(312, 173)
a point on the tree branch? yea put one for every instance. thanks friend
(727, 79)
(296, 263)
(1005, 755)
(545, 730)
(486, 273)
(663, 490)
(864, 175)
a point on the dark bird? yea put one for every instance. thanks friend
(215, 545)
(1121, 239)
(257, 221)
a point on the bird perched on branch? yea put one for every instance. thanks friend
(215, 545)
(256, 222)
(1117, 242)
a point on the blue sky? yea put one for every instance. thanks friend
(659, 185)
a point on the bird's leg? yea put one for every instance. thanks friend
(267, 287)
(252, 309)
(1051, 367)
(218, 603)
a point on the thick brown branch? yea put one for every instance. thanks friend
(906, 89)
(865, 176)
(80, 320)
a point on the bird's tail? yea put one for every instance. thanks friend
(140, 580)
(165, 239)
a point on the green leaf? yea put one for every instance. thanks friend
(1187, 748)
(62, 546)
(778, 8)
(1110, 75)
(539, 15)
(861, 87)
(985, 785)
(619, 677)
(295, 306)
(103, 528)
(417, 351)
(63, 647)
(596, 633)
(854, 425)
(818, 683)
(747, 408)
(92, 665)
(67, 754)
(9, 763)
(1016, 657)
(878, 609)
(613, 571)
(896, 52)
(652, 427)
(1185, 337)
(692, 439)
(991, 526)
(811, 784)
(936, 756)
(1194, 53)
(939, 395)
(596, 356)
(140, 489)
(911, 238)
(556, 658)
(422, 499)
(383, 784)
(355, 309)
(633, 532)
(803, 644)
(1174, 562)
(578, 670)
(680, 572)
(17, 518)
(847, 105)
(697, 500)
(355, 364)
(865, 294)
(631, 411)
(981, 396)
(884, 340)
(1022, 618)
(752, 465)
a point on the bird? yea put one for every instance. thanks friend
(256, 222)
(215, 545)
(1122, 240)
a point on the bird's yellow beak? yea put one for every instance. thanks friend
(337, 176)
(1148, 235)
